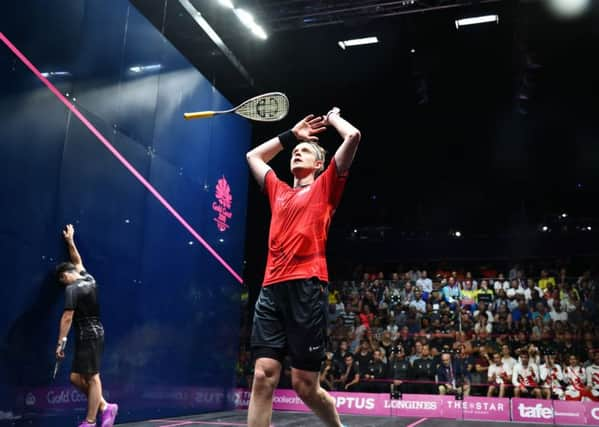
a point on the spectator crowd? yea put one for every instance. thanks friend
(493, 335)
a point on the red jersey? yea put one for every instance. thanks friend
(299, 226)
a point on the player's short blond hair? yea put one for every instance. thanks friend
(321, 154)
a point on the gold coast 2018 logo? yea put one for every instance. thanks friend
(222, 205)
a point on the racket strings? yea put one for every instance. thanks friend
(267, 108)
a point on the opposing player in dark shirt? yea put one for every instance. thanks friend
(81, 305)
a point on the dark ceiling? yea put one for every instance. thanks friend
(487, 128)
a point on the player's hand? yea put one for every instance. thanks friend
(332, 111)
(59, 353)
(69, 232)
(307, 128)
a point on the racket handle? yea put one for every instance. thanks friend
(198, 115)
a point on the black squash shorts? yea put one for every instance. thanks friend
(87, 359)
(291, 318)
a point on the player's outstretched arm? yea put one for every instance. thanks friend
(69, 237)
(344, 155)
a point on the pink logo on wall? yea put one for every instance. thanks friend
(482, 408)
(592, 413)
(532, 410)
(224, 201)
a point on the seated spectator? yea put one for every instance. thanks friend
(521, 310)
(339, 355)
(327, 372)
(536, 298)
(376, 371)
(483, 325)
(498, 377)
(468, 295)
(592, 377)
(483, 309)
(399, 370)
(406, 295)
(363, 356)
(501, 283)
(452, 293)
(507, 360)
(423, 372)
(366, 316)
(479, 374)
(417, 354)
(349, 378)
(501, 299)
(450, 377)
(541, 311)
(557, 314)
(484, 294)
(418, 302)
(339, 331)
(525, 378)
(552, 378)
(386, 343)
(545, 280)
(575, 378)
(425, 284)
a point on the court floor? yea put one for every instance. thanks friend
(301, 419)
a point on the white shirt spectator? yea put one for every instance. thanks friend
(420, 305)
(525, 376)
(498, 374)
(561, 316)
(490, 316)
(425, 284)
(509, 363)
(505, 285)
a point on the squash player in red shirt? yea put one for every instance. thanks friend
(291, 311)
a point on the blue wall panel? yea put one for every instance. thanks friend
(170, 309)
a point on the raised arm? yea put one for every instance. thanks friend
(69, 238)
(344, 156)
(305, 130)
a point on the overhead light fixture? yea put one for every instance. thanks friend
(145, 68)
(476, 20)
(247, 19)
(227, 3)
(199, 19)
(357, 42)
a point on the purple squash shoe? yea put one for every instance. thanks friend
(109, 414)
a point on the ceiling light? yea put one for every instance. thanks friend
(357, 42)
(545, 228)
(227, 3)
(247, 19)
(476, 20)
(259, 32)
(569, 8)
